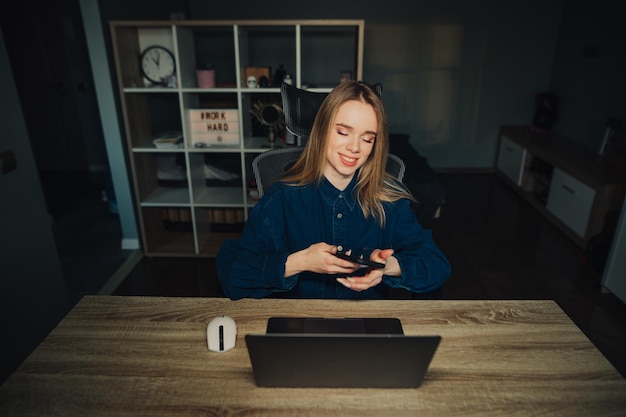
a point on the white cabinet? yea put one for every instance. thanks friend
(570, 200)
(193, 196)
(573, 187)
(511, 159)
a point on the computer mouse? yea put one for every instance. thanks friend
(221, 334)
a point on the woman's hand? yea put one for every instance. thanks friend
(319, 258)
(374, 276)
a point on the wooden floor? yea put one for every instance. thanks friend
(499, 248)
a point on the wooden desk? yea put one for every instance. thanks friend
(147, 356)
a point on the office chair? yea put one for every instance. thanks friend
(269, 166)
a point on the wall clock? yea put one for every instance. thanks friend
(157, 63)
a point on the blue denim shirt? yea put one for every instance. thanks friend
(291, 218)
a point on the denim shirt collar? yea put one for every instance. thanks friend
(330, 194)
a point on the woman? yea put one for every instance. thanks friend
(336, 198)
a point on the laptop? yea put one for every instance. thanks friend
(341, 353)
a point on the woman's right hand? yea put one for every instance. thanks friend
(320, 258)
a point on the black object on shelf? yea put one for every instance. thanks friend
(546, 110)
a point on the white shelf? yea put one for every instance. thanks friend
(148, 110)
(167, 196)
(219, 197)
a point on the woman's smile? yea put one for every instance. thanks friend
(349, 161)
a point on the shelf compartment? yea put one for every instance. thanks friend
(267, 46)
(226, 219)
(216, 178)
(128, 44)
(537, 178)
(149, 115)
(201, 44)
(161, 178)
(219, 196)
(168, 230)
(327, 52)
(214, 225)
(252, 127)
(167, 196)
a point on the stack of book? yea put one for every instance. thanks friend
(226, 220)
(169, 139)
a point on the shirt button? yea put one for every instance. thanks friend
(340, 195)
(339, 216)
(339, 248)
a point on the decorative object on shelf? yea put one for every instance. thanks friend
(169, 139)
(251, 82)
(264, 82)
(546, 109)
(271, 115)
(257, 73)
(279, 76)
(205, 76)
(213, 127)
(158, 65)
(345, 75)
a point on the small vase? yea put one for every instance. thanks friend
(206, 78)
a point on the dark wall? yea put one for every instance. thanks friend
(590, 70)
(453, 71)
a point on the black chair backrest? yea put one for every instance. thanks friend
(300, 107)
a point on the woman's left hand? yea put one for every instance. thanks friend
(373, 276)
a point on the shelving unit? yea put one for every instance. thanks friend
(573, 187)
(190, 199)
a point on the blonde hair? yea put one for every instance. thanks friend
(374, 185)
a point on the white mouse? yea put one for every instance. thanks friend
(221, 334)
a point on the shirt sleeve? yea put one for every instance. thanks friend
(424, 267)
(254, 265)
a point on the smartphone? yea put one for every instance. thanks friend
(359, 260)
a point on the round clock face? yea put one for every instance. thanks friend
(157, 63)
